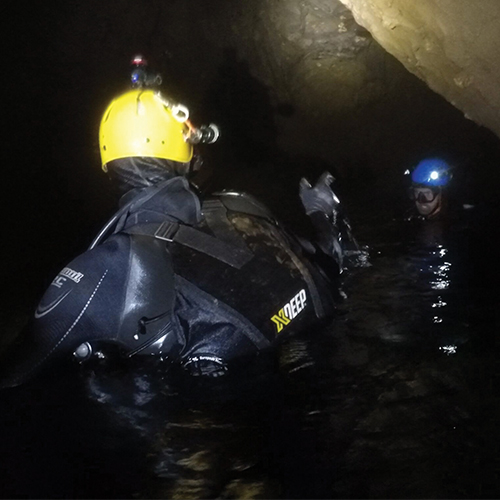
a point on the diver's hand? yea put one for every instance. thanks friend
(321, 197)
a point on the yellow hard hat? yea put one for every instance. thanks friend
(143, 123)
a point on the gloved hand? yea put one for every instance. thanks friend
(321, 197)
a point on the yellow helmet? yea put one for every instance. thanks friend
(143, 123)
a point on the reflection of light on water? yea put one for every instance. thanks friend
(439, 303)
(441, 251)
(443, 269)
(449, 349)
(437, 319)
(440, 284)
(441, 272)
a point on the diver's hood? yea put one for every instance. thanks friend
(141, 172)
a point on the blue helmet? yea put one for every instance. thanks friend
(432, 172)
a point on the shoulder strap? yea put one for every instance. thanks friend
(173, 232)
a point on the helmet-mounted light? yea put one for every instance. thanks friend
(432, 172)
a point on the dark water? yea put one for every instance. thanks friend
(396, 398)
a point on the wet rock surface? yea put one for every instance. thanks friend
(450, 45)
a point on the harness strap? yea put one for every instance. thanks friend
(173, 232)
(117, 221)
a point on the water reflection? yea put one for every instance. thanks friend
(205, 439)
(438, 254)
(449, 349)
(395, 398)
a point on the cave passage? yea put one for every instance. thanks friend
(397, 398)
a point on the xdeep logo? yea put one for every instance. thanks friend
(290, 311)
(64, 275)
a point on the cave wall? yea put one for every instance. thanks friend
(450, 44)
(303, 73)
(351, 99)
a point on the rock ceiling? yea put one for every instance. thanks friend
(450, 44)
(347, 68)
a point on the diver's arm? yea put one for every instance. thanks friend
(334, 237)
(322, 206)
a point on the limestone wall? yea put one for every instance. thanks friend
(453, 45)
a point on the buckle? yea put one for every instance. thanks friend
(167, 231)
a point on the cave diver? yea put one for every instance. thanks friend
(429, 180)
(441, 232)
(196, 282)
(438, 209)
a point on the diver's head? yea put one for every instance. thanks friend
(144, 138)
(429, 179)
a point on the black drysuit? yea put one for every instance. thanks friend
(199, 283)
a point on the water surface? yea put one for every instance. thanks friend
(395, 398)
